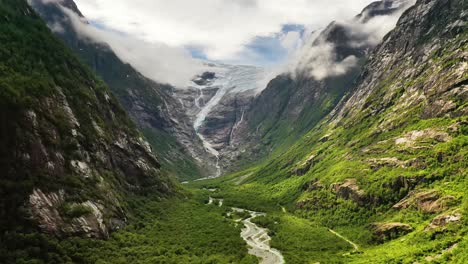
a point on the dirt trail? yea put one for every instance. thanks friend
(355, 246)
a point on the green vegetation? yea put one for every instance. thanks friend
(55, 112)
(176, 162)
(302, 241)
(133, 91)
(75, 210)
(391, 146)
(388, 147)
(162, 231)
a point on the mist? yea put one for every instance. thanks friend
(157, 61)
(317, 58)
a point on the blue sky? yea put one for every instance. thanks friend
(270, 50)
(262, 50)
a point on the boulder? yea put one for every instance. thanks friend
(303, 167)
(393, 162)
(313, 186)
(427, 201)
(411, 138)
(442, 220)
(387, 231)
(349, 190)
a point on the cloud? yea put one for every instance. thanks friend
(374, 29)
(318, 59)
(159, 37)
(320, 62)
(221, 29)
(291, 40)
(156, 61)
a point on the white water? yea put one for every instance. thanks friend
(207, 145)
(256, 237)
(228, 78)
(259, 240)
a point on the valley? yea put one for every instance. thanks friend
(357, 154)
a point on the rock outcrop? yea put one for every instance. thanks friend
(349, 190)
(303, 167)
(69, 154)
(57, 217)
(388, 231)
(443, 220)
(427, 201)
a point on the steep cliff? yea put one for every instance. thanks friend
(69, 154)
(158, 113)
(325, 71)
(390, 159)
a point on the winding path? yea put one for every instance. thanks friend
(355, 246)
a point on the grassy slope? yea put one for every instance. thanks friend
(346, 154)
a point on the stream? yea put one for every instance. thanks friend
(256, 237)
(258, 240)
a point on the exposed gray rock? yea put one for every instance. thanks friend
(303, 167)
(46, 209)
(441, 221)
(428, 201)
(81, 168)
(349, 190)
(388, 231)
(411, 138)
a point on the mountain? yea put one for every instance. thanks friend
(234, 117)
(301, 99)
(69, 154)
(215, 103)
(357, 155)
(389, 160)
(159, 115)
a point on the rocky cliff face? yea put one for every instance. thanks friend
(158, 113)
(326, 71)
(239, 127)
(216, 102)
(394, 147)
(69, 154)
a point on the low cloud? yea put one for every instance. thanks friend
(320, 62)
(318, 59)
(157, 61)
(222, 29)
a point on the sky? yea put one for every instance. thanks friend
(170, 41)
(254, 32)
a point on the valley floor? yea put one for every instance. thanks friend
(202, 227)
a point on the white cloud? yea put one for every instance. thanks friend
(291, 41)
(320, 61)
(373, 30)
(317, 58)
(155, 33)
(157, 61)
(221, 28)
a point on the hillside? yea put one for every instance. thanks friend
(389, 161)
(325, 71)
(69, 154)
(357, 155)
(151, 105)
